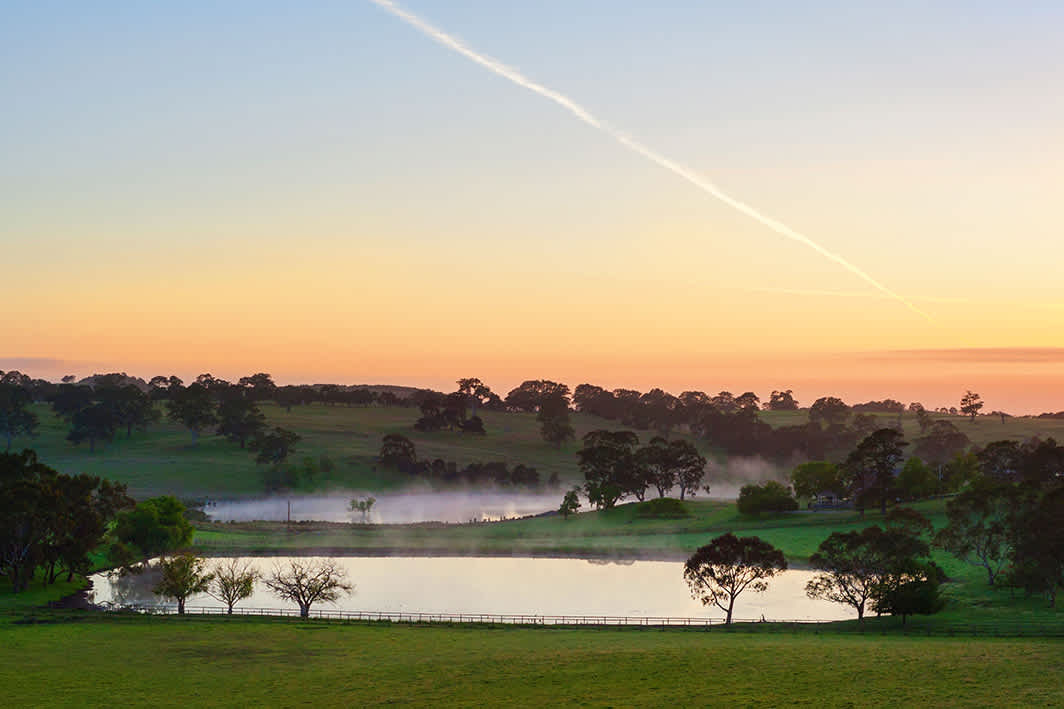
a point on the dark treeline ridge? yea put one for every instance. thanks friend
(399, 453)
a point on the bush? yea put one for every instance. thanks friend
(770, 497)
(662, 508)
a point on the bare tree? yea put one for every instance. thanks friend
(234, 580)
(309, 581)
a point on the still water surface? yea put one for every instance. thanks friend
(515, 586)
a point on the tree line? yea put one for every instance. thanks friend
(399, 453)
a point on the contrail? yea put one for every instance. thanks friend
(676, 168)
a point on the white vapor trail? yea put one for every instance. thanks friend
(676, 168)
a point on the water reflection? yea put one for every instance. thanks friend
(517, 586)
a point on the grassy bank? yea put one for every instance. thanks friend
(184, 662)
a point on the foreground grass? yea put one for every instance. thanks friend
(247, 662)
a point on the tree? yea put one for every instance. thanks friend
(362, 506)
(258, 387)
(130, 407)
(476, 392)
(183, 575)
(917, 480)
(769, 497)
(688, 465)
(94, 423)
(192, 407)
(1038, 543)
(866, 567)
(653, 458)
(530, 395)
(234, 580)
(816, 477)
(240, 420)
(397, 451)
(308, 581)
(941, 442)
(720, 571)
(872, 466)
(606, 460)
(977, 528)
(274, 447)
(15, 418)
(553, 418)
(829, 411)
(970, 404)
(570, 503)
(782, 401)
(155, 526)
(1000, 460)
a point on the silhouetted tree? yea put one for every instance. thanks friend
(720, 571)
(570, 503)
(606, 459)
(829, 411)
(397, 451)
(92, 424)
(782, 401)
(872, 465)
(553, 419)
(970, 404)
(977, 530)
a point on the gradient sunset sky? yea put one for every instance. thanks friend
(319, 191)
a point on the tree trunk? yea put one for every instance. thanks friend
(860, 614)
(180, 606)
(731, 604)
(229, 611)
(304, 610)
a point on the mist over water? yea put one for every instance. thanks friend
(390, 508)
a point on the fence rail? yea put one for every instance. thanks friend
(922, 626)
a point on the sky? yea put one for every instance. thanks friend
(320, 191)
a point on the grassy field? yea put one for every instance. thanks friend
(250, 662)
(165, 460)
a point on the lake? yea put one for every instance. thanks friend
(473, 585)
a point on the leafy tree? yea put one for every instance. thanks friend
(362, 506)
(15, 418)
(570, 503)
(970, 404)
(1038, 543)
(1041, 462)
(941, 442)
(867, 567)
(816, 477)
(782, 401)
(553, 418)
(916, 480)
(688, 465)
(872, 466)
(275, 446)
(308, 581)
(473, 424)
(92, 424)
(183, 575)
(130, 407)
(154, 527)
(769, 497)
(829, 411)
(477, 393)
(977, 529)
(606, 461)
(654, 459)
(192, 407)
(240, 420)
(1000, 460)
(397, 451)
(68, 399)
(720, 571)
(233, 581)
(258, 387)
(530, 395)
(748, 400)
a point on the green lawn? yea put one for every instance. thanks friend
(250, 662)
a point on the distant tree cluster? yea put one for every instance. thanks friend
(398, 452)
(614, 468)
(50, 522)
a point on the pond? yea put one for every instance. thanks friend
(389, 508)
(474, 585)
